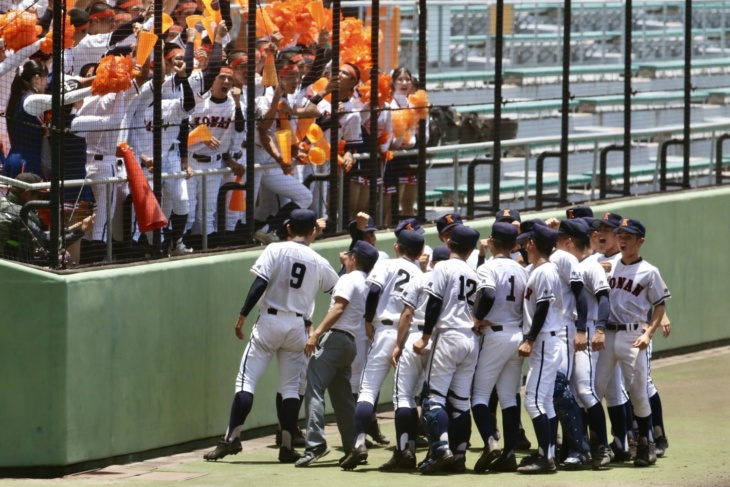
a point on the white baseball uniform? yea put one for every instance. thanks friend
(455, 348)
(392, 276)
(295, 273)
(544, 361)
(569, 272)
(636, 289)
(499, 363)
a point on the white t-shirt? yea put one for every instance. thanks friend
(543, 285)
(351, 287)
(455, 284)
(295, 274)
(594, 279)
(414, 297)
(509, 280)
(635, 290)
(392, 275)
(569, 271)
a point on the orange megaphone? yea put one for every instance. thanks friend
(166, 22)
(210, 8)
(209, 24)
(146, 206)
(283, 138)
(324, 145)
(317, 156)
(316, 9)
(193, 20)
(269, 77)
(201, 133)
(238, 198)
(314, 134)
(145, 43)
(303, 125)
(319, 86)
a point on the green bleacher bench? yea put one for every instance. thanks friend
(460, 76)
(593, 104)
(673, 167)
(432, 196)
(518, 107)
(512, 186)
(517, 76)
(650, 70)
(544, 37)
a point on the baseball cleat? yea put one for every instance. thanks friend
(504, 464)
(288, 456)
(575, 460)
(643, 457)
(458, 466)
(401, 460)
(439, 458)
(224, 448)
(603, 457)
(377, 436)
(522, 442)
(661, 445)
(541, 466)
(357, 456)
(619, 455)
(486, 459)
(421, 442)
(529, 459)
(311, 455)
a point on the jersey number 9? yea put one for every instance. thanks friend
(297, 272)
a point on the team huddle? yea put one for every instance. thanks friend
(573, 299)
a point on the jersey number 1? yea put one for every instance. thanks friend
(297, 272)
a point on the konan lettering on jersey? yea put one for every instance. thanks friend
(626, 285)
(220, 122)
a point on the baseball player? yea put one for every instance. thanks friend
(288, 276)
(498, 318)
(386, 284)
(409, 367)
(637, 289)
(572, 238)
(542, 324)
(449, 311)
(413, 224)
(618, 405)
(333, 346)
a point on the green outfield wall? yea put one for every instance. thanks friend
(116, 361)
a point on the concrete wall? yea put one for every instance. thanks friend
(115, 361)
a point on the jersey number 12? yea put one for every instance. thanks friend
(467, 288)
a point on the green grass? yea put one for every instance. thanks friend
(696, 409)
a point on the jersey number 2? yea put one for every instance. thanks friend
(404, 277)
(297, 272)
(467, 289)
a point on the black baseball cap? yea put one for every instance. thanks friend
(575, 227)
(365, 250)
(578, 212)
(448, 221)
(631, 226)
(78, 17)
(411, 239)
(409, 224)
(504, 232)
(611, 219)
(508, 216)
(465, 236)
(545, 235)
(440, 253)
(300, 219)
(593, 223)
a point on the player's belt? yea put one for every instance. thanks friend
(386, 322)
(99, 157)
(202, 158)
(237, 155)
(274, 311)
(349, 335)
(622, 326)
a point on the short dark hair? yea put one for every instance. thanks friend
(362, 263)
(299, 232)
(458, 248)
(502, 246)
(409, 252)
(544, 248)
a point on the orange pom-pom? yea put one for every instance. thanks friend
(419, 101)
(20, 29)
(385, 90)
(68, 37)
(113, 75)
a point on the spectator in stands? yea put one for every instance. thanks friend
(25, 239)
(402, 166)
(27, 106)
